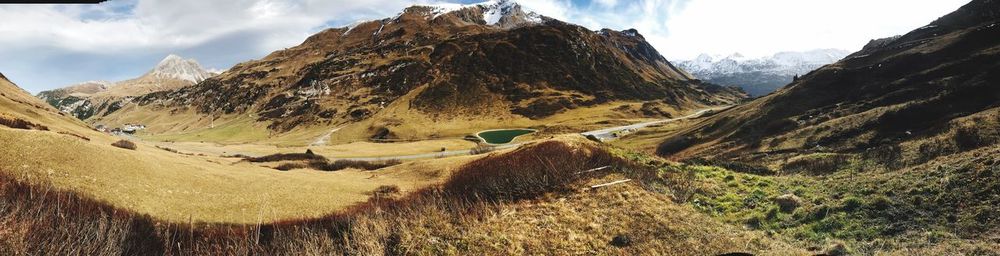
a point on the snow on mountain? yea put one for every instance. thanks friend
(500, 13)
(174, 66)
(759, 76)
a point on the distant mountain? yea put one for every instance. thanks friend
(430, 64)
(175, 67)
(84, 100)
(759, 76)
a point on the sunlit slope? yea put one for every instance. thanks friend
(912, 91)
(174, 186)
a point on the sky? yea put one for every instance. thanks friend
(50, 46)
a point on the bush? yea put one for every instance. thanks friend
(18, 123)
(124, 144)
(286, 157)
(322, 165)
(75, 135)
(344, 164)
(967, 138)
(674, 145)
(526, 173)
(385, 191)
(816, 164)
(788, 202)
(289, 166)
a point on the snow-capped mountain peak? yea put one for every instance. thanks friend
(500, 13)
(759, 76)
(176, 67)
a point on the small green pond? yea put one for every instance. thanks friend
(502, 136)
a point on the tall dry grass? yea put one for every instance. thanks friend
(36, 219)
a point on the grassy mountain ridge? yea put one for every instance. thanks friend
(441, 67)
(895, 144)
(917, 87)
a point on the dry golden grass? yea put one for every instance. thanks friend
(648, 139)
(178, 187)
(440, 221)
(182, 187)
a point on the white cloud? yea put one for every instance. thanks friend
(35, 38)
(763, 27)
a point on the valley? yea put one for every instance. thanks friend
(493, 129)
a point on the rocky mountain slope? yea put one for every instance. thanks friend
(759, 76)
(895, 142)
(100, 98)
(442, 63)
(938, 80)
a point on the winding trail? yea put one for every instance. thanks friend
(322, 140)
(607, 134)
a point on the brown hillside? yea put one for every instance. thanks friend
(933, 91)
(439, 66)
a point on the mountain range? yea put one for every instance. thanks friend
(408, 76)
(101, 98)
(759, 76)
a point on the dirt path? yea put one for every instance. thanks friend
(323, 140)
(607, 134)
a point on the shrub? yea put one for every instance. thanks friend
(673, 145)
(285, 157)
(967, 138)
(168, 149)
(18, 123)
(344, 164)
(385, 191)
(322, 165)
(124, 144)
(75, 135)
(816, 164)
(527, 172)
(788, 202)
(289, 166)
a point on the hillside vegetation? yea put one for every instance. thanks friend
(425, 75)
(893, 147)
